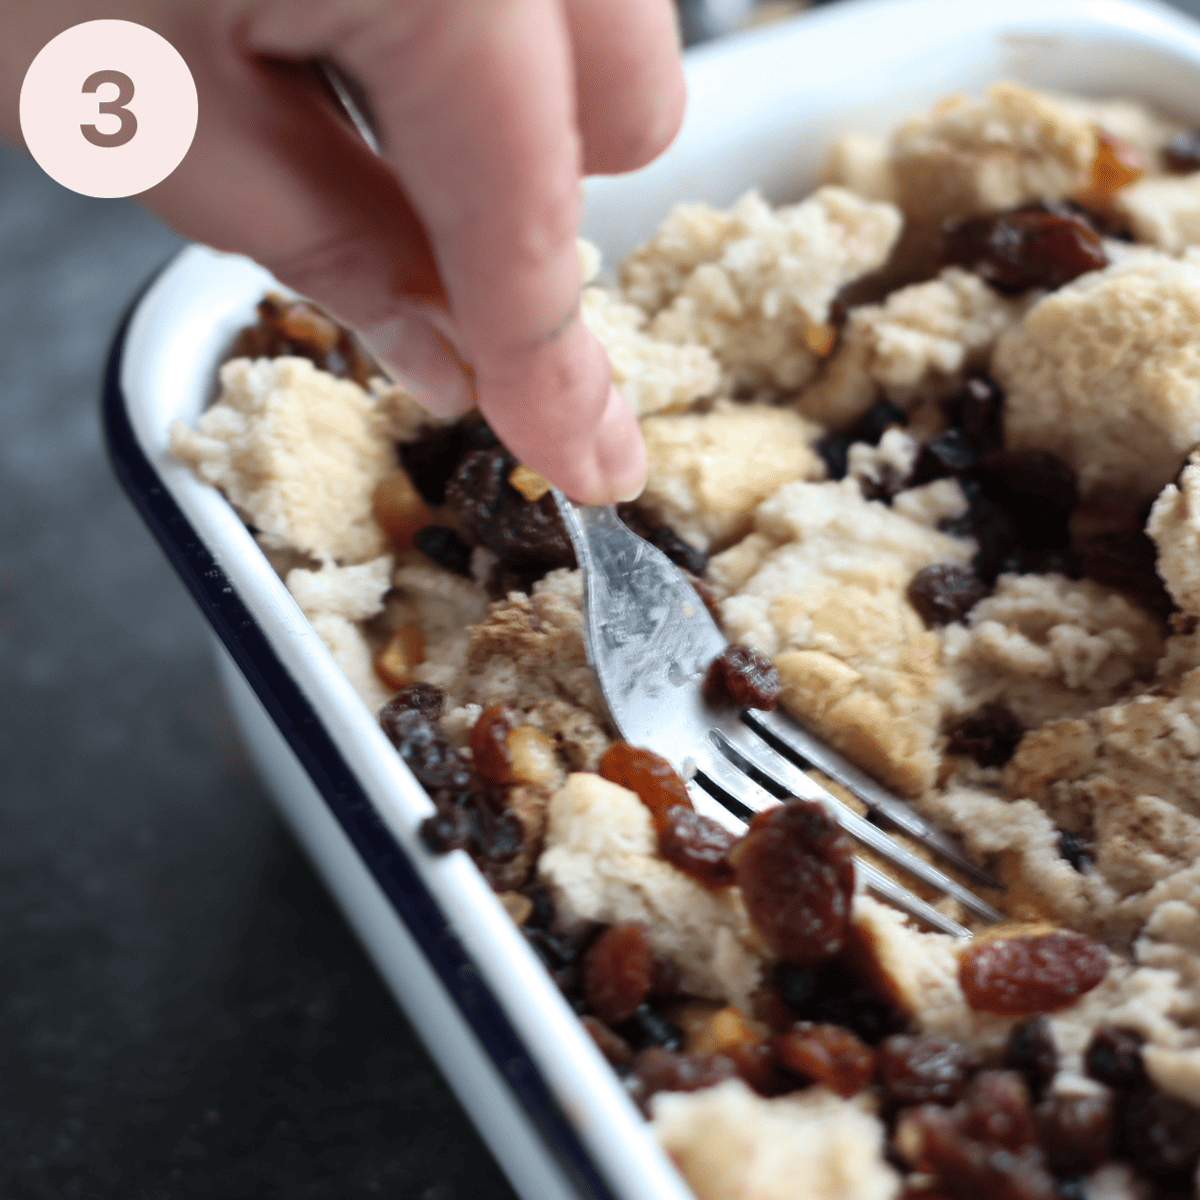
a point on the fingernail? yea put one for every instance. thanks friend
(423, 361)
(620, 455)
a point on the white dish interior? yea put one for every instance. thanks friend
(764, 108)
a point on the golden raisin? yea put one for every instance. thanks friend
(399, 509)
(394, 661)
(1034, 973)
(646, 773)
(617, 971)
(827, 1054)
(489, 744)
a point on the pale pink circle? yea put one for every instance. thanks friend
(54, 107)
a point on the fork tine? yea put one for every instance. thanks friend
(886, 888)
(757, 758)
(792, 739)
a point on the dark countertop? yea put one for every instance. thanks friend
(184, 1012)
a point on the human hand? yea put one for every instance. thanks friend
(458, 246)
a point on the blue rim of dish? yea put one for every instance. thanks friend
(412, 902)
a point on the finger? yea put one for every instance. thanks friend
(629, 81)
(475, 101)
(274, 174)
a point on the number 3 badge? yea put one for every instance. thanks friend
(108, 108)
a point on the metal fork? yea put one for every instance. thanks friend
(650, 641)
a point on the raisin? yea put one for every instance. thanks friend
(612, 1045)
(830, 993)
(876, 421)
(946, 454)
(1075, 1132)
(1072, 1189)
(504, 578)
(489, 744)
(795, 867)
(649, 1028)
(1075, 849)
(664, 975)
(448, 829)
(1030, 1049)
(1037, 490)
(978, 410)
(1160, 1135)
(617, 971)
(521, 532)
(446, 547)
(1117, 164)
(1036, 246)
(921, 1069)
(743, 677)
(424, 697)
(994, 529)
(827, 1054)
(1127, 562)
(431, 460)
(297, 328)
(696, 844)
(997, 1110)
(1182, 153)
(681, 553)
(657, 1070)
(1033, 973)
(1114, 1057)
(834, 449)
(944, 593)
(989, 735)
(425, 748)
(646, 773)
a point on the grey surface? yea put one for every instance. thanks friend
(182, 1012)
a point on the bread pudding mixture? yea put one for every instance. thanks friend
(927, 439)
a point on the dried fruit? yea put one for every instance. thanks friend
(528, 482)
(611, 1044)
(650, 1028)
(944, 593)
(834, 447)
(681, 553)
(833, 993)
(921, 1069)
(1036, 489)
(1182, 153)
(827, 1054)
(617, 971)
(945, 454)
(295, 327)
(658, 1070)
(696, 844)
(646, 773)
(446, 547)
(1117, 164)
(989, 735)
(1114, 1057)
(424, 697)
(395, 660)
(795, 867)
(1030, 1049)
(425, 748)
(1075, 849)
(1040, 245)
(399, 508)
(1127, 561)
(978, 410)
(1161, 1135)
(1032, 973)
(1075, 1132)
(489, 744)
(743, 677)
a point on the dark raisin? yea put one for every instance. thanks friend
(831, 993)
(1075, 849)
(1037, 490)
(996, 532)
(1160, 1135)
(921, 1069)
(876, 421)
(1025, 248)
(978, 410)
(834, 449)
(489, 743)
(425, 748)
(446, 547)
(827, 1054)
(659, 1070)
(664, 975)
(989, 735)
(743, 677)
(424, 697)
(1075, 1132)
(431, 461)
(1182, 153)
(998, 1112)
(648, 774)
(503, 839)
(944, 593)
(617, 971)
(649, 1028)
(297, 328)
(945, 454)
(795, 867)
(611, 1044)
(542, 914)
(504, 578)
(1114, 1057)
(682, 554)
(448, 829)
(521, 532)
(1032, 973)
(1128, 562)
(696, 844)
(1030, 1049)
(553, 952)
(1072, 1189)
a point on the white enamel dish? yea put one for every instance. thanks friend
(763, 110)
